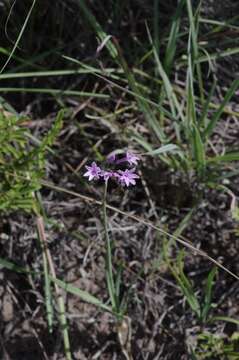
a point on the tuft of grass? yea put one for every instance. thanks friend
(193, 122)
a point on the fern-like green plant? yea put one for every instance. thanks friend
(21, 162)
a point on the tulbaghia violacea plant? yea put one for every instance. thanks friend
(124, 177)
(120, 168)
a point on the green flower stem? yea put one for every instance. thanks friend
(109, 268)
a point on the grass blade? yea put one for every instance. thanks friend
(183, 282)
(38, 74)
(199, 151)
(173, 101)
(194, 53)
(186, 285)
(13, 267)
(19, 36)
(172, 40)
(225, 319)
(163, 149)
(208, 294)
(54, 92)
(84, 295)
(206, 106)
(216, 116)
(233, 156)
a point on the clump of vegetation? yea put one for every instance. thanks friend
(148, 89)
(22, 163)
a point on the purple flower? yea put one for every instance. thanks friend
(111, 158)
(106, 174)
(131, 158)
(127, 177)
(93, 172)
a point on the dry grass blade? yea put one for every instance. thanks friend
(124, 335)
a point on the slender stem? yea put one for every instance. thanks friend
(109, 268)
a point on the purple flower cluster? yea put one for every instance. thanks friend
(124, 177)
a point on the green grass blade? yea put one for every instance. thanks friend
(191, 108)
(142, 142)
(172, 40)
(216, 116)
(194, 49)
(205, 110)
(169, 148)
(186, 286)
(225, 319)
(13, 267)
(38, 74)
(189, 294)
(192, 28)
(181, 227)
(233, 156)
(184, 223)
(53, 92)
(227, 175)
(208, 294)
(19, 36)
(173, 101)
(199, 151)
(220, 24)
(156, 25)
(182, 280)
(213, 56)
(84, 295)
(221, 54)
